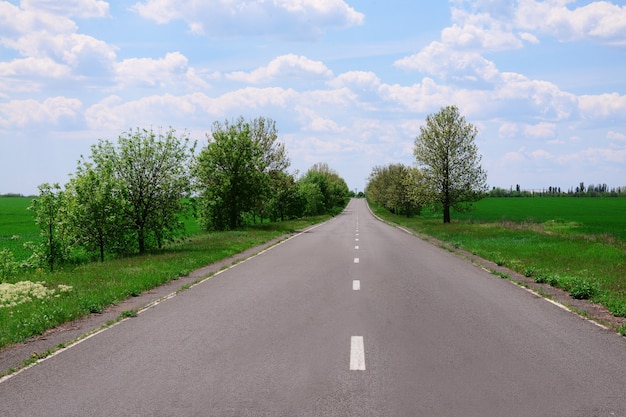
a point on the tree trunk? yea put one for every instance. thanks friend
(446, 213)
(141, 240)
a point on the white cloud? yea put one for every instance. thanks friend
(114, 113)
(171, 71)
(479, 31)
(26, 113)
(616, 135)
(534, 97)
(285, 66)
(602, 106)
(598, 20)
(303, 19)
(420, 98)
(541, 130)
(31, 73)
(43, 37)
(529, 37)
(360, 80)
(313, 121)
(442, 60)
(77, 8)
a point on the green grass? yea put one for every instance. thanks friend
(17, 225)
(578, 244)
(576, 215)
(94, 286)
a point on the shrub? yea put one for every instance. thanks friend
(583, 289)
(8, 265)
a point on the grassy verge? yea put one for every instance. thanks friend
(587, 265)
(32, 303)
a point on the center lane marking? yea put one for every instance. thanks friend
(357, 354)
(356, 285)
(356, 260)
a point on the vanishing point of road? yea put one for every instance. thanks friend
(349, 318)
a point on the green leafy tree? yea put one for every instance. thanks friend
(51, 217)
(286, 201)
(450, 161)
(399, 188)
(234, 171)
(96, 209)
(334, 190)
(153, 171)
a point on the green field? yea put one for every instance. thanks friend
(577, 244)
(591, 216)
(17, 225)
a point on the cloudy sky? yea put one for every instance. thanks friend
(349, 82)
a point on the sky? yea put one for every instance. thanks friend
(348, 82)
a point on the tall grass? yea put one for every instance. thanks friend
(562, 241)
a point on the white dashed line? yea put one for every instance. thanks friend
(356, 285)
(356, 260)
(357, 354)
(356, 247)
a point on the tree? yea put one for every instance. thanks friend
(153, 170)
(50, 216)
(95, 208)
(235, 169)
(287, 201)
(334, 189)
(450, 162)
(398, 188)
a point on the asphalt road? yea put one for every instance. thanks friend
(350, 318)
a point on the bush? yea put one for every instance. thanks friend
(583, 290)
(8, 265)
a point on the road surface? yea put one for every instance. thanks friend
(350, 318)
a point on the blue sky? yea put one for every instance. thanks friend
(348, 82)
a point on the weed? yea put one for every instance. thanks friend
(622, 329)
(530, 272)
(498, 259)
(583, 290)
(128, 313)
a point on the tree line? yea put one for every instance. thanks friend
(592, 190)
(132, 196)
(447, 175)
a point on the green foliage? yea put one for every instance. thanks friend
(450, 161)
(399, 188)
(96, 210)
(8, 265)
(582, 289)
(622, 329)
(234, 171)
(324, 190)
(51, 216)
(153, 171)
